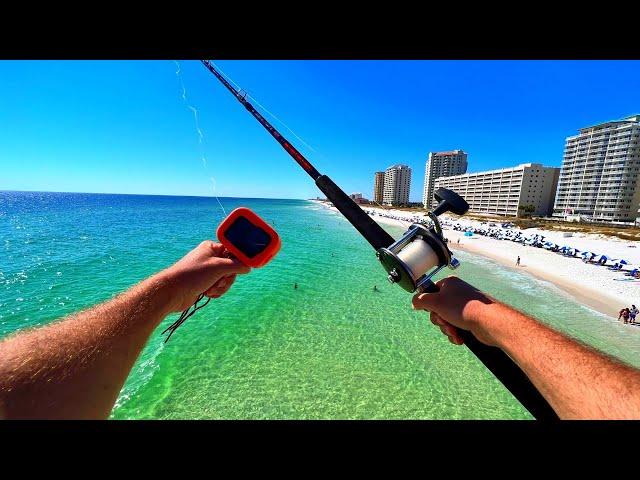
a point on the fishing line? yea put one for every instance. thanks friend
(195, 307)
(265, 109)
(194, 110)
(213, 181)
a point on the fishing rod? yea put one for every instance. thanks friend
(412, 260)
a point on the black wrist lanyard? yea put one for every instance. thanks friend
(184, 315)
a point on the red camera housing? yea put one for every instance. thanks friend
(249, 238)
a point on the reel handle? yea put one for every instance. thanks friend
(505, 369)
(429, 287)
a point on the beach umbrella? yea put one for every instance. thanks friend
(623, 262)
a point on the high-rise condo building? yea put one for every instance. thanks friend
(378, 187)
(599, 176)
(527, 188)
(397, 183)
(441, 164)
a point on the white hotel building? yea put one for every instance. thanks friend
(600, 172)
(397, 184)
(441, 164)
(507, 191)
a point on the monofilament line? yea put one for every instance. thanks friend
(238, 87)
(194, 110)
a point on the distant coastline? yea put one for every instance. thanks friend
(146, 195)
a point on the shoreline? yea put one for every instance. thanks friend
(599, 301)
(587, 284)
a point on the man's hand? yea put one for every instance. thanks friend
(207, 268)
(75, 368)
(456, 305)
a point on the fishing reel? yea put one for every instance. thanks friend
(422, 251)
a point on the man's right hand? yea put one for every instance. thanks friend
(206, 269)
(457, 305)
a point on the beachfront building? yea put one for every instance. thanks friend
(599, 175)
(397, 184)
(441, 164)
(528, 188)
(359, 199)
(378, 187)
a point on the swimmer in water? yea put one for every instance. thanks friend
(295, 286)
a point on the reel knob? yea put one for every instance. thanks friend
(450, 201)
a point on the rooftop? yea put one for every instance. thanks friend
(399, 165)
(635, 118)
(517, 167)
(449, 152)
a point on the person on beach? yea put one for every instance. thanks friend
(624, 314)
(518, 261)
(75, 368)
(632, 314)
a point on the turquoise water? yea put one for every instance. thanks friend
(333, 348)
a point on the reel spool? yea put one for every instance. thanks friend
(422, 252)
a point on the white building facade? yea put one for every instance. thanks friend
(600, 172)
(441, 164)
(510, 192)
(397, 185)
(378, 187)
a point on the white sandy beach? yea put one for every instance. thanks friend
(590, 284)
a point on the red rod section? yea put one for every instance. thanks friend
(291, 150)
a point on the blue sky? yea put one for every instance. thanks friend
(122, 126)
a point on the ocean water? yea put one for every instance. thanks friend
(332, 348)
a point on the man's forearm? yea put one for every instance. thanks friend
(578, 381)
(76, 367)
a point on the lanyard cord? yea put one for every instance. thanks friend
(184, 315)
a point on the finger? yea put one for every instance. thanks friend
(221, 286)
(428, 301)
(452, 332)
(448, 329)
(216, 249)
(436, 319)
(229, 266)
(218, 285)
